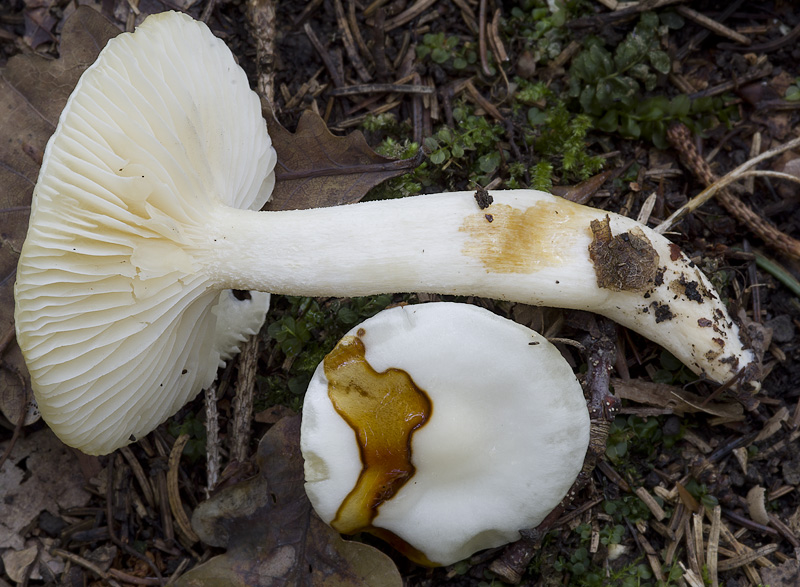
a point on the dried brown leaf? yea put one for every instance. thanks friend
(318, 169)
(272, 535)
(674, 398)
(33, 91)
(786, 574)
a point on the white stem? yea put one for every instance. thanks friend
(527, 247)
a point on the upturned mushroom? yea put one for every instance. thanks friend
(144, 211)
(443, 429)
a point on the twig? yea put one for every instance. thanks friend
(349, 43)
(713, 25)
(212, 439)
(243, 401)
(680, 138)
(82, 562)
(713, 545)
(378, 88)
(261, 17)
(110, 524)
(324, 54)
(482, 39)
(409, 14)
(173, 490)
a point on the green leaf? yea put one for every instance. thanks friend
(439, 157)
(439, 55)
(601, 61)
(649, 20)
(536, 117)
(680, 106)
(793, 93)
(445, 135)
(671, 19)
(489, 163)
(659, 60)
(630, 128)
(609, 122)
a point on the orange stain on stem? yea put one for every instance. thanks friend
(520, 241)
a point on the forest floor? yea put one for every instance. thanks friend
(581, 98)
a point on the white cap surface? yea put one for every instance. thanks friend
(505, 440)
(116, 325)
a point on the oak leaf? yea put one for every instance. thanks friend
(272, 535)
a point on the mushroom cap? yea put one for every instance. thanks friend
(115, 321)
(505, 438)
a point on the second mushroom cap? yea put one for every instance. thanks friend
(442, 428)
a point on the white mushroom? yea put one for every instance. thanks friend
(143, 211)
(117, 327)
(442, 428)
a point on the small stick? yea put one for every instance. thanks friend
(261, 17)
(713, 545)
(173, 491)
(680, 137)
(324, 55)
(378, 88)
(349, 43)
(243, 402)
(409, 14)
(713, 25)
(212, 439)
(482, 39)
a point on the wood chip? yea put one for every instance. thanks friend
(713, 545)
(476, 97)
(651, 503)
(747, 558)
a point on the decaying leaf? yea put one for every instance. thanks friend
(786, 574)
(41, 474)
(272, 535)
(317, 169)
(674, 398)
(33, 91)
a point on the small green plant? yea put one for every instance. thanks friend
(195, 448)
(472, 146)
(599, 78)
(700, 492)
(611, 87)
(303, 332)
(672, 371)
(447, 51)
(632, 435)
(793, 91)
(540, 26)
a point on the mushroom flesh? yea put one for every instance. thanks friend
(442, 428)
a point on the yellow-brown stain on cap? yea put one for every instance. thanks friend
(383, 409)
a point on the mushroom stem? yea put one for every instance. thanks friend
(527, 246)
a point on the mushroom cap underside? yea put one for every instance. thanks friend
(116, 324)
